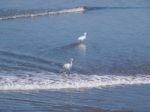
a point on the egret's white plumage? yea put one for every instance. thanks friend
(68, 66)
(82, 38)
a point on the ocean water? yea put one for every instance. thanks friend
(111, 70)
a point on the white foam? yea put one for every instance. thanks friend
(50, 13)
(28, 81)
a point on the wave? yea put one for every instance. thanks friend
(109, 7)
(48, 81)
(26, 58)
(15, 14)
(45, 12)
(11, 61)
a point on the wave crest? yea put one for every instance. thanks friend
(44, 13)
(33, 81)
(15, 14)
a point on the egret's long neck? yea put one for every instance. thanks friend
(85, 34)
(71, 62)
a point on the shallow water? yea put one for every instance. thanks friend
(111, 70)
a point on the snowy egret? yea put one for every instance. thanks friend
(68, 66)
(82, 38)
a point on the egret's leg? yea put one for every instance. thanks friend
(61, 71)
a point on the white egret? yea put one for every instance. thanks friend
(68, 66)
(82, 38)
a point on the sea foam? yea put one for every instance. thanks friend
(48, 81)
(45, 13)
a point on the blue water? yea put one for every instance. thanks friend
(111, 70)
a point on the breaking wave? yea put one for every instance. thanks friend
(46, 12)
(15, 14)
(48, 81)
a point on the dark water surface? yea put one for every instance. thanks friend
(111, 70)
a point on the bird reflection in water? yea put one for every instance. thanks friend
(82, 48)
